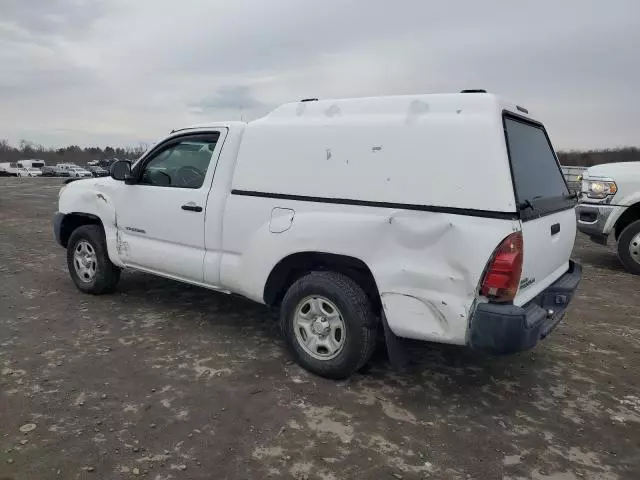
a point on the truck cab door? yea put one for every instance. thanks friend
(161, 209)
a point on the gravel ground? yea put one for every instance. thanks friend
(167, 381)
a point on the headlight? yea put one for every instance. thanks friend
(599, 188)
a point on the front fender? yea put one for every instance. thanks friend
(95, 199)
(623, 203)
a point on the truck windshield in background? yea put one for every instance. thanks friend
(539, 185)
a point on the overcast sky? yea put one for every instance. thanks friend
(123, 71)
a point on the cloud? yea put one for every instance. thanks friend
(238, 97)
(80, 71)
(52, 17)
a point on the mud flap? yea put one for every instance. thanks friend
(396, 347)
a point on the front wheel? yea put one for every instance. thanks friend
(88, 261)
(329, 324)
(629, 247)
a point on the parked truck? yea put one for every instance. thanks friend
(610, 208)
(441, 218)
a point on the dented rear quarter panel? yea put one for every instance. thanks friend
(427, 266)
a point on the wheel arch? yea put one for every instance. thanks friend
(88, 203)
(294, 266)
(74, 220)
(630, 215)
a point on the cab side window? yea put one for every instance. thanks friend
(182, 164)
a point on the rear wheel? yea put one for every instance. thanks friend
(329, 324)
(629, 247)
(88, 261)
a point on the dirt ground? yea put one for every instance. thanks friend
(167, 381)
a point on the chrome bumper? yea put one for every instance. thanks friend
(592, 220)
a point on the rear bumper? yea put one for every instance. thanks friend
(503, 328)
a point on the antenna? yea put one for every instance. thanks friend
(241, 114)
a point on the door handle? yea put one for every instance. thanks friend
(555, 228)
(192, 207)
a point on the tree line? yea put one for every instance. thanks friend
(27, 150)
(597, 157)
(74, 154)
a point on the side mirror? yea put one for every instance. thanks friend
(120, 170)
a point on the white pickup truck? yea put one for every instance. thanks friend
(441, 218)
(610, 204)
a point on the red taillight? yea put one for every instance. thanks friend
(502, 279)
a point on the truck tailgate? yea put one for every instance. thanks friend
(547, 210)
(548, 242)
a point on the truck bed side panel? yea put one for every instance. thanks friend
(426, 265)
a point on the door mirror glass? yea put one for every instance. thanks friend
(120, 170)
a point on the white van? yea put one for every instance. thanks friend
(6, 170)
(33, 163)
(18, 169)
(442, 218)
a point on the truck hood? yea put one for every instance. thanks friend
(71, 192)
(627, 178)
(614, 170)
(89, 182)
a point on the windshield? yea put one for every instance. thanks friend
(539, 185)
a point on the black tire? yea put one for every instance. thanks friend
(629, 240)
(361, 323)
(107, 274)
